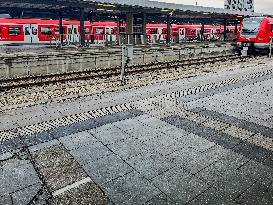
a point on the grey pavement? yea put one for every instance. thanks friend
(219, 153)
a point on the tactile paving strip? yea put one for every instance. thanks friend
(44, 126)
(40, 127)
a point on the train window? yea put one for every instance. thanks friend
(109, 30)
(46, 30)
(27, 31)
(14, 31)
(122, 30)
(86, 30)
(153, 31)
(99, 31)
(188, 31)
(34, 31)
(137, 29)
(75, 31)
(56, 31)
(69, 30)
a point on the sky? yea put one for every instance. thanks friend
(263, 6)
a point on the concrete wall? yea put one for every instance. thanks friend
(20, 65)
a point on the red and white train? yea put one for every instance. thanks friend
(38, 31)
(255, 33)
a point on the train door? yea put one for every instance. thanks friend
(31, 33)
(110, 37)
(198, 33)
(213, 33)
(160, 34)
(182, 34)
(100, 35)
(72, 34)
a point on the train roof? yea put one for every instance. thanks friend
(104, 23)
(98, 23)
(38, 21)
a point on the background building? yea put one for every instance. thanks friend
(240, 5)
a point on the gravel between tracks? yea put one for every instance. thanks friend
(21, 97)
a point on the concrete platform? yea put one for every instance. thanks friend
(18, 62)
(165, 148)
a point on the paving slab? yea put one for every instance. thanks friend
(258, 194)
(90, 152)
(150, 164)
(178, 184)
(258, 171)
(26, 195)
(227, 179)
(190, 159)
(227, 156)
(108, 134)
(6, 200)
(88, 193)
(77, 140)
(202, 131)
(252, 151)
(57, 167)
(129, 125)
(163, 144)
(145, 133)
(196, 142)
(16, 174)
(128, 148)
(152, 121)
(107, 169)
(161, 199)
(212, 197)
(175, 132)
(130, 189)
(269, 161)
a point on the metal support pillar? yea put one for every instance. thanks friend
(61, 28)
(168, 39)
(118, 31)
(202, 32)
(129, 28)
(82, 31)
(144, 27)
(235, 31)
(270, 47)
(225, 29)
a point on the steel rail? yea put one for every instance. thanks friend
(8, 84)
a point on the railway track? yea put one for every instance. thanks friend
(157, 106)
(31, 81)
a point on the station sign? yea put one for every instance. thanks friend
(240, 5)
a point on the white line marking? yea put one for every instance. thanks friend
(71, 186)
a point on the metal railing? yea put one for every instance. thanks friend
(134, 39)
(270, 47)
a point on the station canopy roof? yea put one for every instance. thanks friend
(125, 6)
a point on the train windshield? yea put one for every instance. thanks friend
(251, 25)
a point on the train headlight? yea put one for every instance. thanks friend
(260, 39)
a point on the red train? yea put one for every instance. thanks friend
(37, 31)
(255, 33)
